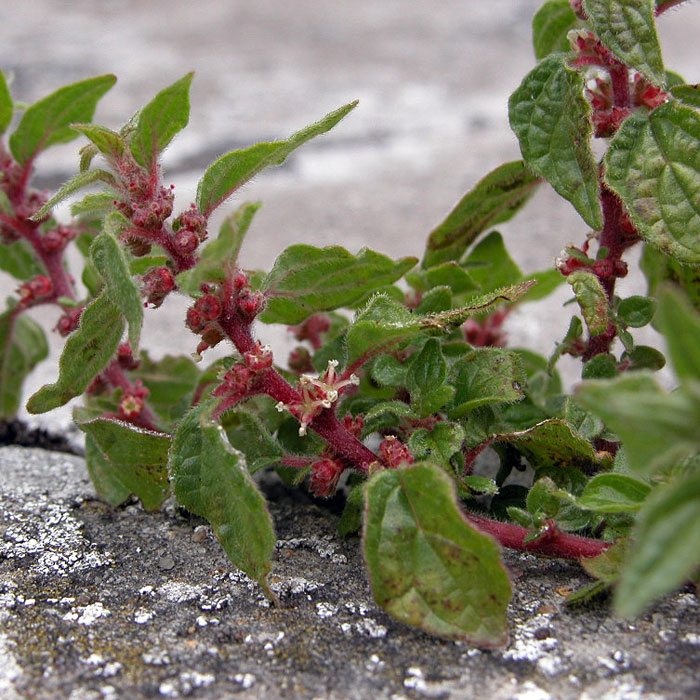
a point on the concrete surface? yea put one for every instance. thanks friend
(102, 602)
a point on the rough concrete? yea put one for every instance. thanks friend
(103, 602)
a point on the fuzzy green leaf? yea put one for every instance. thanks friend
(108, 142)
(221, 253)
(657, 428)
(495, 198)
(104, 477)
(550, 27)
(160, 120)
(427, 369)
(628, 29)
(86, 353)
(48, 122)
(592, 299)
(659, 268)
(613, 493)
(486, 376)
(550, 117)
(247, 433)
(305, 280)
(652, 164)
(228, 173)
(109, 260)
(22, 346)
(554, 443)
(664, 550)
(636, 311)
(210, 479)
(6, 106)
(18, 260)
(688, 94)
(680, 324)
(78, 182)
(131, 457)
(449, 274)
(428, 567)
(438, 444)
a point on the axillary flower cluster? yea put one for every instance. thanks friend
(317, 393)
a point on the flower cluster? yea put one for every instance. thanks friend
(394, 453)
(131, 403)
(157, 283)
(317, 393)
(239, 382)
(36, 290)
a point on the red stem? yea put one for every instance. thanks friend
(553, 542)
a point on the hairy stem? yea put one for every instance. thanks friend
(553, 542)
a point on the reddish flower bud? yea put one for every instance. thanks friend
(192, 220)
(194, 320)
(620, 268)
(52, 241)
(394, 453)
(259, 358)
(138, 247)
(250, 303)
(125, 357)
(354, 426)
(239, 279)
(325, 474)
(37, 289)
(604, 268)
(185, 242)
(158, 282)
(130, 406)
(69, 321)
(209, 306)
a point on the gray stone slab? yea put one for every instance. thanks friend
(103, 602)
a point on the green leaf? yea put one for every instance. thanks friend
(438, 444)
(449, 274)
(550, 117)
(93, 207)
(435, 300)
(221, 253)
(388, 371)
(543, 500)
(104, 477)
(486, 376)
(547, 282)
(554, 443)
(428, 567)
(132, 457)
(234, 169)
(490, 265)
(644, 357)
(494, 199)
(613, 493)
(210, 479)
(73, 185)
(550, 27)
(636, 311)
(48, 122)
(86, 353)
(6, 106)
(18, 260)
(659, 268)
(108, 142)
(22, 346)
(664, 549)
(651, 165)
(160, 120)
(657, 428)
(110, 261)
(680, 323)
(628, 29)
(608, 565)
(602, 366)
(305, 280)
(427, 369)
(592, 299)
(688, 94)
(351, 519)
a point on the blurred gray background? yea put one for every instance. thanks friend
(433, 79)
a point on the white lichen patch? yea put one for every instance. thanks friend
(533, 642)
(323, 546)
(142, 616)
(326, 609)
(180, 592)
(46, 537)
(294, 585)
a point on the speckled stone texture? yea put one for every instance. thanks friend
(102, 602)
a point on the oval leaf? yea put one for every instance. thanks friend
(428, 567)
(665, 545)
(550, 27)
(48, 121)
(131, 457)
(628, 29)
(592, 299)
(158, 122)
(305, 280)
(551, 119)
(210, 479)
(22, 346)
(495, 198)
(652, 166)
(86, 353)
(109, 260)
(613, 493)
(234, 169)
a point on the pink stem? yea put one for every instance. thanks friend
(553, 542)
